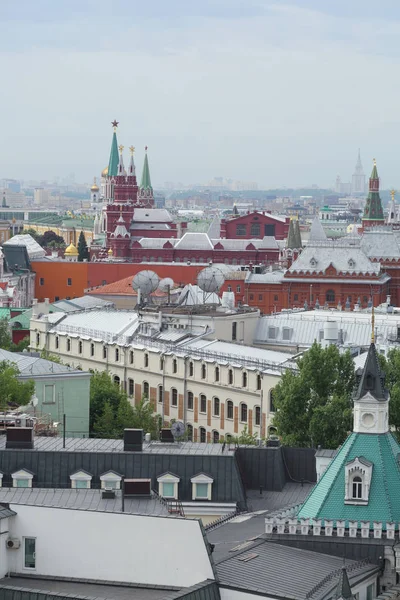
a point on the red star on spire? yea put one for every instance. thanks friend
(145, 148)
(115, 123)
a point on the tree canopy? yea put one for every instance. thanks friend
(49, 238)
(83, 252)
(13, 391)
(6, 342)
(391, 369)
(313, 404)
(103, 390)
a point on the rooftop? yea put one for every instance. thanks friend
(32, 366)
(312, 574)
(33, 248)
(83, 499)
(55, 444)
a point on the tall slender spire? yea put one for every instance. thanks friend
(114, 158)
(145, 183)
(392, 215)
(121, 166)
(132, 168)
(373, 211)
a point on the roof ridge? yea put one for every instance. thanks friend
(255, 544)
(385, 483)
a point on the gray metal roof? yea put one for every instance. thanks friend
(6, 512)
(32, 366)
(82, 590)
(152, 215)
(380, 244)
(84, 302)
(268, 571)
(82, 499)
(52, 465)
(94, 445)
(346, 258)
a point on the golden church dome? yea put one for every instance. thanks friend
(71, 250)
(104, 172)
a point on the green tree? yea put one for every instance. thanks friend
(313, 404)
(103, 389)
(83, 252)
(105, 423)
(13, 391)
(48, 356)
(391, 369)
(145, 418)
(125, 417)
(5, 335)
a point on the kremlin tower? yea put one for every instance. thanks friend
(373, 211)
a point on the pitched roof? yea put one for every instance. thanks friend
(24, 239)
(123, 287)
(317, 232)
(345, 258)
(151, 215)
(145, 183)
(326, 500)
(343, 589)
(114, 157)
(371, 379)
(194, 241)
(380, 243)
(31, 366)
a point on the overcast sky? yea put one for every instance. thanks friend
(275, 92)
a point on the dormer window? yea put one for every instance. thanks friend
(351, 263)
(22, 478)
(313, 262)
(358, 476)
(81, 480)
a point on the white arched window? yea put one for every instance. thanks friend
(358, 476)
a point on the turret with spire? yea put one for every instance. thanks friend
(114, 156)
(393, 213)
(145, 196)
(373, 211)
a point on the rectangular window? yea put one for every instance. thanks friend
(82, 484)
(42, 281)
(272, 333)
(370, 592)
(22, 483)
(286, 333)
(260, 297)
(234, 331)
(251, 296)
(91, 349)
(56, 298)
(69, 281)
(296, 298)
(255, 229)
(190, 400)
(168, 490)
(49, 394)
(257, 416)
(269, 230)
(174, 397)
(241, 230)
(276, 298)
(131, 357)
(104, 352)
(160, 394)
(238, 289)
(131, 387)
(203, 404)
(201, 490)
(29, 553)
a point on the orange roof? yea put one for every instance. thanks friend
(123, 287)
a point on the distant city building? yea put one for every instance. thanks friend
(357, 186)
(41, 196)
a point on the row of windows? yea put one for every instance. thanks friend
(194, 259)
(69, 281)
(255, 229)
(216, 403)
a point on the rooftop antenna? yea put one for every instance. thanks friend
(166, 285)
(373, 326)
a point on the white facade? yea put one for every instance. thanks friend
(105, 547)
(212, 395)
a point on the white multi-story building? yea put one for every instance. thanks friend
(191, 363)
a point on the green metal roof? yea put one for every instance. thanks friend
(114, 157)
(374, 173)
(145, 183)
(22, 321)
(326, 499)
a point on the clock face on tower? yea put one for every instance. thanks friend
(368, 420)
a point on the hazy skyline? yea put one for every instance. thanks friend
(282, 93)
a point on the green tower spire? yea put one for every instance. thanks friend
(373, 211)
(114, 156)
(145, 183)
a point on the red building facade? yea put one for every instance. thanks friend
(255, 225)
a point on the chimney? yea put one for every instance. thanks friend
(133, 440)
(20, 437)
(35, 309)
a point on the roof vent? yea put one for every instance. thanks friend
(166, 435)
(20, 437)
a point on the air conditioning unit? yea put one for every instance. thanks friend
(13, 544)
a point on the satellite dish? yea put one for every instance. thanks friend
(145, 281)
(210, 279)
(166, 284)
(178, 429)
